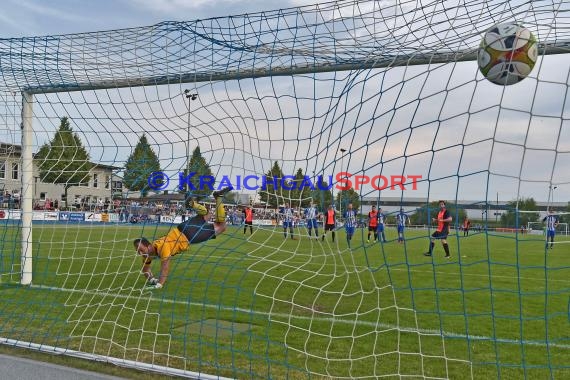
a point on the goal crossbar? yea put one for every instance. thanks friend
(364, 63)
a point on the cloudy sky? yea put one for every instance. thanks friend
(37, 17)
(439, 121)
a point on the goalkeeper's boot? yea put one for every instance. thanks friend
(222, 192)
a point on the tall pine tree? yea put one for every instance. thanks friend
(298, 194)
(140, 165)
(201, 173)
(271, 195)
(322, 195)
(64, 160)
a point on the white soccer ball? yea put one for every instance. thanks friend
(507, 53)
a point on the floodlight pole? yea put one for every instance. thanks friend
(26, 201)
(551, 196)
(190, 96)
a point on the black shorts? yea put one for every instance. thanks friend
(329, 227)
(372, 229)
(197, 230)
(439, 235)
(250, 223)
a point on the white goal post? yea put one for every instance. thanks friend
(540, 228)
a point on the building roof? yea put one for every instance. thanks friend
(105, 166)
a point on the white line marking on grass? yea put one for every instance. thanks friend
(384, 326)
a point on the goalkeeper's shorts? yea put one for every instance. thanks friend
(197, 230)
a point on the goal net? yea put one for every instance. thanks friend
(539, 227)
(107, 137)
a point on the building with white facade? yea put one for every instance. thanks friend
(104, 183)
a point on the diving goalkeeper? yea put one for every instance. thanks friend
(193, 231)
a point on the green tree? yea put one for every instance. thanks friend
(271, 195)
(140, 165)
(321, 195)
(301, 192)
(424, 214)
(344, 197)
(64, 160)
(200, 176)
(510, 219)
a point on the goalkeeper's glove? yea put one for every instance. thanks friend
(152, 281)
(158, 285)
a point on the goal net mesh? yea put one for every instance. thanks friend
(371, 88)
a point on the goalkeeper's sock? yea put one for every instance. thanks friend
(220, 211)
(200, 209)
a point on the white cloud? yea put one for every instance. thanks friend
(179, 6)
(51, 12)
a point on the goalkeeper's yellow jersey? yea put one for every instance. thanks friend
(171, 244)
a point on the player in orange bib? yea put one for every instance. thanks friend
(443, 220)
(330, 222)
(372, 224)
(466, 226)
(248, 220)
(192, 231)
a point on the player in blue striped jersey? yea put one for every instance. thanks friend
(311, 215)
(401, 220)
(551, 223)
(380, 228)
(288, 216)
(349, 223)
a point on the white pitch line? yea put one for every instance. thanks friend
(384, 326)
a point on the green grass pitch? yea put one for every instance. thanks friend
(269, 307)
